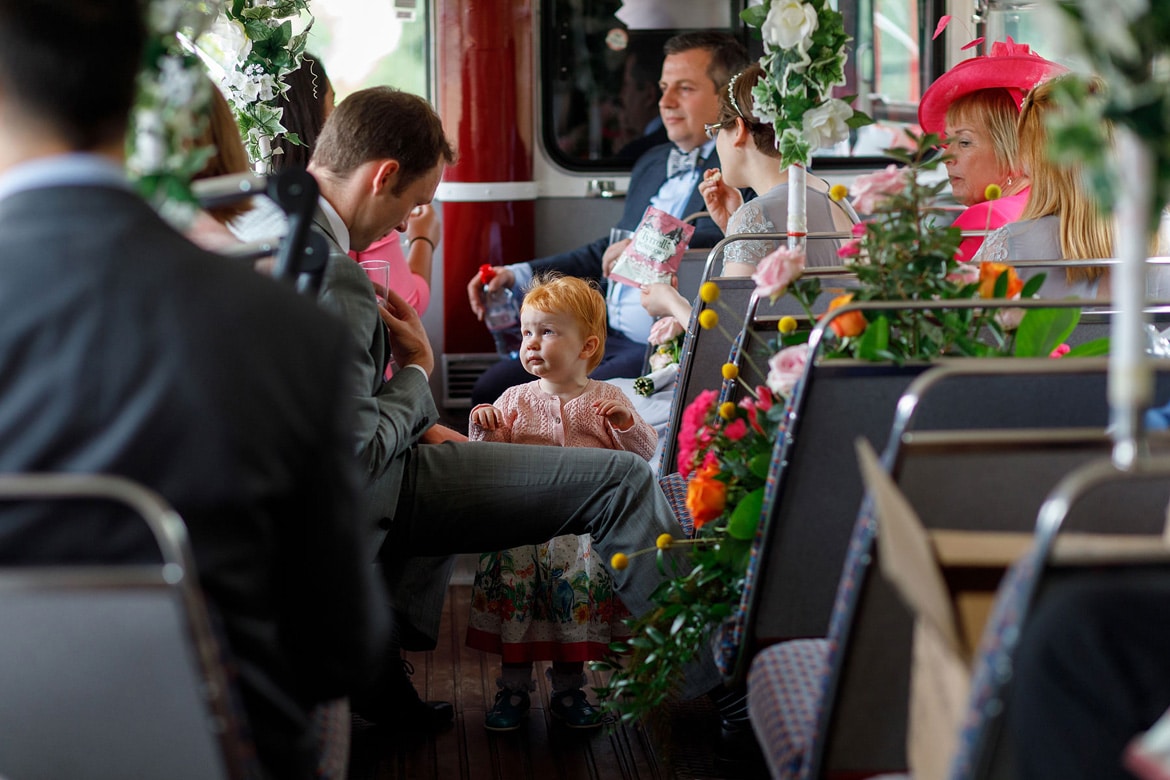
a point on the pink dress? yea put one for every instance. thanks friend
(988, 215)
(552, 601)
(403, 281)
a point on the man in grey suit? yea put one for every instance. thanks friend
(126, 350)
(381, 154)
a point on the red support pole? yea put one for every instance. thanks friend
(485, 73)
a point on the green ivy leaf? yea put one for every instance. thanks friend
(1032, 286)
(875, 340)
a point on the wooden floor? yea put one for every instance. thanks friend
(541, 748)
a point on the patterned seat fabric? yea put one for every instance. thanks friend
(788, 682)
(785, 687)
(674, 487)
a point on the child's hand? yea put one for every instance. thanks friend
(487, 417)
(620, 415)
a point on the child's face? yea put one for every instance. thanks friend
(553, 348)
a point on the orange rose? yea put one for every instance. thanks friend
(989, 273)
(850, 324)
(706, 498)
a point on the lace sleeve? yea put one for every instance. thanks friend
(749, 218)
(995, 247)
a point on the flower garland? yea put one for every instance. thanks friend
(804, 59)
(249, 45)
(250, 49)
(170, 114)
(1125, 45)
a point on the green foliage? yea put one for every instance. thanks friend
(1124, 44)
(703, 577)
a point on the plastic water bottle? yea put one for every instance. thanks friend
(501, 315)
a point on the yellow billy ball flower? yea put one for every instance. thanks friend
(730, 371)
(619, 561)
(727, 410)
(993, 192)
(664, 541)
(838, 192)
(709, 292)
(786, 325)
(708, 319)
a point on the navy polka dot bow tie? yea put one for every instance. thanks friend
(681, 162)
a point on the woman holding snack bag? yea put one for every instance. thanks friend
(747, 150)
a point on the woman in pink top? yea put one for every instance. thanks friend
(553, 601)
(975, 106)
(410, 274)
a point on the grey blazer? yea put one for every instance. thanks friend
(125, 349)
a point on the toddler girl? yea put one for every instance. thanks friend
(553, 601)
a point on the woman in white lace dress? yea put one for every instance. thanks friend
(1061, 220)
(747, 152)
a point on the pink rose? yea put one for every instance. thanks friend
(736, 430)
(660, 360)
(664, 331)
(1060, 351)
(765, 396)
(966, 273)
(849, 249)
(859, 228)
(785, 369)
(778, 270)
(869, 190)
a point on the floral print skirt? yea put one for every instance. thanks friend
(545, 602)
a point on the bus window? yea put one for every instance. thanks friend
(364, 44)
(600, 62)
(600, 65)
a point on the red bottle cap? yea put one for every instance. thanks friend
(486, 273)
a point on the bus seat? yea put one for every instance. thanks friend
(1086, 500)
(112, 671)
(966, 392)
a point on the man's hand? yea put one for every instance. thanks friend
(612, 253)
(408, 339)
(503, 278)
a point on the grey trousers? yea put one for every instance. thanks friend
(481, 497)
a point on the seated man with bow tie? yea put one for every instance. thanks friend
(697, 66)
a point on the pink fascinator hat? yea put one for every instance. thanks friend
(1010, 65)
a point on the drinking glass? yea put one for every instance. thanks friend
(378, 272)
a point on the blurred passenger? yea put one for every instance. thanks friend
(381, 154)
(975, 106)
(747, 149)
(1091, 673)
(553, 601)
(211, 228)
(696, 70)
(129, 351)
(1062, 221)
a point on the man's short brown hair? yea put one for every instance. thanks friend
(382, 123)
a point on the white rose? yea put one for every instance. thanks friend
(226, 42)
(150, 151)
(790, 23)
(826, 125)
